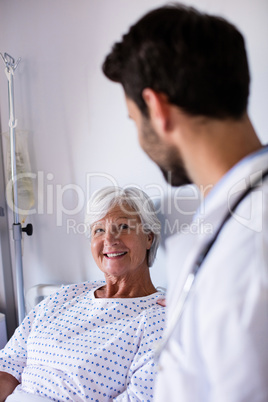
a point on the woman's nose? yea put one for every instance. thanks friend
(111, 236)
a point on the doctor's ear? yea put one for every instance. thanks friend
(158, 107)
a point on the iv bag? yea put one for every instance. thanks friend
(23, 175)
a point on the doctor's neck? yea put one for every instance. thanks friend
(211, 147)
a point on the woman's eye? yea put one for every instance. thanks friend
(123, 226)
(98, 231)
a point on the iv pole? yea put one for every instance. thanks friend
(11, 66)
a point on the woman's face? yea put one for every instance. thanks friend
(119, 245)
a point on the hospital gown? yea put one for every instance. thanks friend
(75, 347)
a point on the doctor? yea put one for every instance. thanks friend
(186, 81)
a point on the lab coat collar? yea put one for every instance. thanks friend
(229, 188)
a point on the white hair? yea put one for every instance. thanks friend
(103, 200)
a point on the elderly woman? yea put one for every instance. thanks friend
(94, 341)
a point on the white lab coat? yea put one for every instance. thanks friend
(218, 351)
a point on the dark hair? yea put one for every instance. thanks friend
(199, 61)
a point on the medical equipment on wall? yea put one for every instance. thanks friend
(23, 177)
(17, 187)
(191, 278)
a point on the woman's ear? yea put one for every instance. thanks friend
(150, 238)
(158, 107)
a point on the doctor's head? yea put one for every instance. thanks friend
(176, 59)
(198, 61)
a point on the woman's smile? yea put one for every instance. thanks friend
(115, 255)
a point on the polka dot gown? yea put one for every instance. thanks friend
(75, 347)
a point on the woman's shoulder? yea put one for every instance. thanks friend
(152, 308)
(75, 289)
(83, 286)
(153, 317)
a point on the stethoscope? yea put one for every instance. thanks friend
(191, 278)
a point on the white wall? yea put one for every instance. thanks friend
(80, 138)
